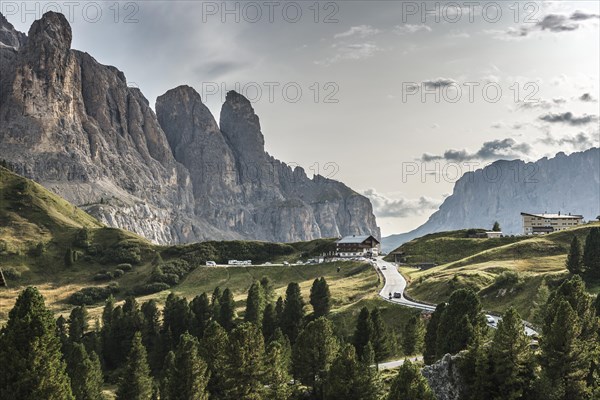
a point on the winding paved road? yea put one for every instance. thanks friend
(395, 283)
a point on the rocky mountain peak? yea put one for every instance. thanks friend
(9, 36)
(241, 127)
(52, 31)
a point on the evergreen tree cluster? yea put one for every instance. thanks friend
(507, 365)
(585, 260)
(195, 350)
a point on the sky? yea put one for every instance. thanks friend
(397, 99)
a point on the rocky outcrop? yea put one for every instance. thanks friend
(75, 126)
(9, 36)
(504, 189)
(445, 379)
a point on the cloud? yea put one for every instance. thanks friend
(385, 207)
(409, 29)
(568, 118)
(588, 98)
(439, 83)
(580, 141)
(356, 51)
(583, 16)
(541, 104)
(493, 150)
(361, 31)
(556, 23)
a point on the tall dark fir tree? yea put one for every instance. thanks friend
(30, 353)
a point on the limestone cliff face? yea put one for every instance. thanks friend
(75, 126)
(240, 187)
(504, 189)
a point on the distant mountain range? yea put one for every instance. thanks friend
(504, 189)
(75, 126)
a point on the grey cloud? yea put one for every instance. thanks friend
(568, 118)
(495, 149)
(582, 16)
(580, 141)
(385, 207)
(216, 69)
(586, 97)
(555, 23)
(541, 104)
(439, 83)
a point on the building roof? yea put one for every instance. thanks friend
(554, 216)
(357, 239)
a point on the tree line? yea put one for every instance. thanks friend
(200, 350)
(507, 364)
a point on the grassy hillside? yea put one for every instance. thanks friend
(48, 242)
(445, 247)
(514, 273)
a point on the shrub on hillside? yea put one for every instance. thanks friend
(92, 295)
(149, 288)
(508, 280)
(124, 253)
(125, 267)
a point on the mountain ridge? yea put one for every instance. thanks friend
(74, 125)
(567, 183)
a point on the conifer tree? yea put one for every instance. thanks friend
(591, 253)
(30, 356)
(215, 303)
(166, 375)
(292, 315)
(269, 322)
(279, 310)
(85, 373)
(460, 324)
(430, 350)
(320, 297)
(268, 289)
(511, 359)
(78, 323)
(245, 369)
(313, 353)
(227, 310)
(349, 379)
(574, 260)
(409, 384)
(176, 317)
(363, 332)
(151, 328)
(412, 335)
(569, 344)
(136, 383)
(496, 227)
(255, 304)
(214, 348)
(188, 377)
(278, 371)
(380, 338)
(201, 315)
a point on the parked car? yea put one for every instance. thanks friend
(490, 320)
(211, 264)
(286, 263)
(384, 267)
(397, 295)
